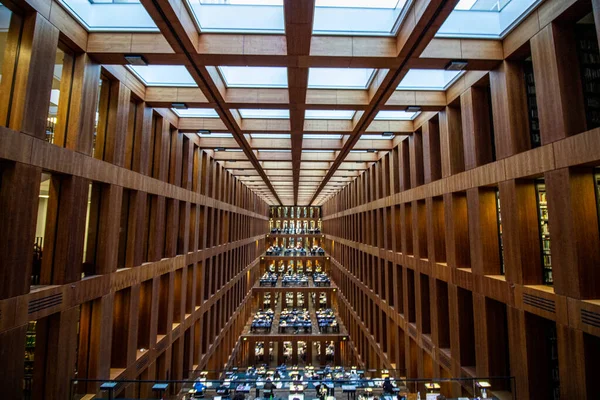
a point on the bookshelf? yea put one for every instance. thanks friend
(551, 342)
(500, 243)
(589, 63)
(532, 110)
(30, 348)
(542, 206)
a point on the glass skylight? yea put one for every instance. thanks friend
(264, 113)
(270, 136)
(340, 78)
(258, 16)
(163, 75)
(109, 15)
(329, 114)
(272, 77)
(358, 17)
(196, 113)
(216, 135)
(428, 79)
(317, 136)
(396, 115)
(485, 18)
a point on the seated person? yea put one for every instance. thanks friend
(239, 396)
(269, 388)
(321, 389)
(199, 388)
(388, 388)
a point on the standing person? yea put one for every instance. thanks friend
(269, 386)
(388, 388)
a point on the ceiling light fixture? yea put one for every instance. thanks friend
(179, 106)
(413, 109)
(136, 59)
(204, 132)
(220, 149)
(387, 134)
(456, 65)
(371, 151)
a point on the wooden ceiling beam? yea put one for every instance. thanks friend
(422, 20)
(177, 26)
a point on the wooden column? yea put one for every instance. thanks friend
(32, 78)
(12, 345)
(451, 141)
(65, 230)
(431, 151)
(557, 83)
(573, 219)
(18, 215)
(483, 231)
(476, 127)
(416, 159)
(110, 209)
(520, 232)
(509, 106)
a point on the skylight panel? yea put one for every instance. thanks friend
(317, 136)
(196, 113)
(255, 16)
(396, 115)
(109, 15)
(340, 78)
(428, 79)
(216, 135)
(264, 113)
(270, 135)
(271, 77)
(163, 75)
(329, 114)
(491, 19)
(358, 17)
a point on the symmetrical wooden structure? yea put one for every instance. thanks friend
(436, 248)
(142, 263)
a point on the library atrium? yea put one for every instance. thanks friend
(299, 199)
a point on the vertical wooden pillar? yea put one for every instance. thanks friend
(520, 232)
(451, 141)
(12, 345)
(457, 231)
(33, 77)
(509, 106)
(431, 151)
(107, 251)
(476, 127)
(559, 93)
(573, 219)
(65, 230)
(416, 159)
(18, 215)
(483, 231)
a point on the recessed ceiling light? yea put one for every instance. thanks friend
(204, 132)
(387, 134)
(179, 106)
(413, 109)
(456, 65)
(371, 151)
(220, 149)
(135, 59)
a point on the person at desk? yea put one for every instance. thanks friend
(268, 388)
(321, 389)
(388, 388)
(199, 387)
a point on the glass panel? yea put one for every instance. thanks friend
(329, 114)
(259, 113)
(163, 75)
(196, 112)
(216, 135)
(359, 17)
(273, 77)
(397, 115)
(238, 15)
(485, 18)
(317, 136)
(428, 79)
(109, 15)
(340, 78)
(55, 95)
(270, 136)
